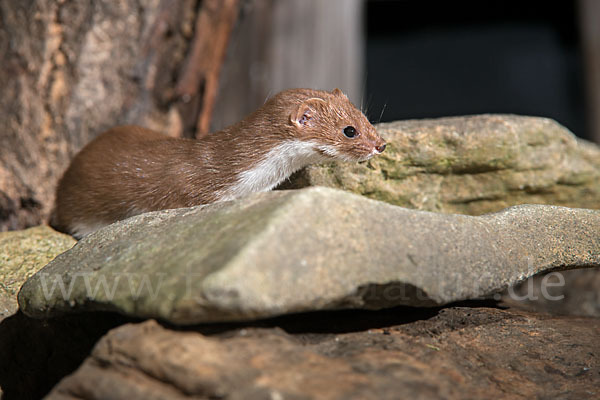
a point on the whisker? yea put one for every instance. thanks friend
(362, 94)
(382, 110)
(268, 96)
(369, 103)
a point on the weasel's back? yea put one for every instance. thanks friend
(97, 184)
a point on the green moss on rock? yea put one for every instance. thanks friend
(471, 165)
(23, 253)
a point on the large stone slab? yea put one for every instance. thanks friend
(471, 165)
(459, 353)
(22, 253)
(318, 248)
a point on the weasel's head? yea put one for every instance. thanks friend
(329, 120)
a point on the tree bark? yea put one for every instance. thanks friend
(72, 69)
(200, 78)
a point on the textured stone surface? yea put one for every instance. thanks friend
(480, 164)
(459, 353)
(318, 248)
(471, 165)
(22, 253)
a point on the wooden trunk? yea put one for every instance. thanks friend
(71, 69)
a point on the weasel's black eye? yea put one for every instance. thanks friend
(349, 131)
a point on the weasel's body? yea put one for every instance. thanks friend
(130, 170)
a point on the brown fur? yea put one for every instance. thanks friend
(129, 170)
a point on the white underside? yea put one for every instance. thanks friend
(279, 163)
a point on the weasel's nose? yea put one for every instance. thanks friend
(380, 148)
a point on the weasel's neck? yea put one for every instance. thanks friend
(273, 167)
(257, 154)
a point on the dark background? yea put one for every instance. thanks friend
(433, 59)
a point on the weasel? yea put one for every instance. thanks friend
(130, 170)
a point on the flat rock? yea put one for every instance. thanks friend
(22, 253)
(471, 165)
(459, 353)
(480, 164)
(313, 249)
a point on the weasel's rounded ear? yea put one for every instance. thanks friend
(306, 112)
(337, 92)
